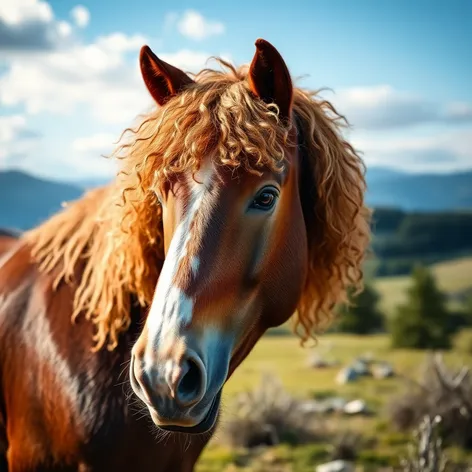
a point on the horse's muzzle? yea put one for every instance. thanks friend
(175, 393)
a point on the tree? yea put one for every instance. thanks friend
(423, 321)
(362, 315)
(468, 310)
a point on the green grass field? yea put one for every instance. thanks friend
(283, 356)
(451, 276)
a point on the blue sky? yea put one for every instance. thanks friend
(400, 72)
(422, 45)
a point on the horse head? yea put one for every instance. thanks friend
(260, 205)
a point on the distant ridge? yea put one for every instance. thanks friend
(27, 200)
(411, 192)
(419, 192)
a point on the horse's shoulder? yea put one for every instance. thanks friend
(23, 288)
(16, 267)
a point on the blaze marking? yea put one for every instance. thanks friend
(171, 308)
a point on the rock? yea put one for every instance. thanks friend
(383, 370)
(317, 362)
(355, 407)
(313, 406)
(346, 375)
(361, 367)
(367, 357)
(335, 466)
(328, 405)
(336, 403)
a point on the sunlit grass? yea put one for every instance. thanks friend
(451, 276)
(284, 357)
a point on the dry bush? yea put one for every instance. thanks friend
(427, 454)
(268, 415)
(346, 446)
(444, 393)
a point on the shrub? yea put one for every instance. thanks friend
(426, 453)
(346, 447)
(362, 315)
(423, 322)
(444, 393)
(268, 415)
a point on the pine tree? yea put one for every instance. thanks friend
(362, 316)
(423, 321)
(468, 310)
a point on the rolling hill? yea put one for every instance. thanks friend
(26, 200)
(419, 192)
(409, 192)
(454, 277)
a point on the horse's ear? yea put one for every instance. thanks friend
(162, 80)
(269, 78)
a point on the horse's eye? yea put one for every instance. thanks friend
(265, 200)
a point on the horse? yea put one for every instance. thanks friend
(238, 205)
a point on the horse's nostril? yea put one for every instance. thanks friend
(192, 384)
(191, 379)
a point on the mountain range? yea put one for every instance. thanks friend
(419, 192)
(26, 200)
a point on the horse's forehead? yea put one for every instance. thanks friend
(213, 181)
(205, 175)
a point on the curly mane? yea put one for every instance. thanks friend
(109, 244)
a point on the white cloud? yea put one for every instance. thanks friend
(96, 75)
(29, 25)
(76, 80)
(64, 29)
(16, 139)
(432, 150)
(89, 165)
(187, 60)
(9, 126)
(458, 110)
(16, 12)
(13, 127)
(383, 107)
(120, 42)
(80, 15)
(101, 143)
(195, 26)
(101, 80)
